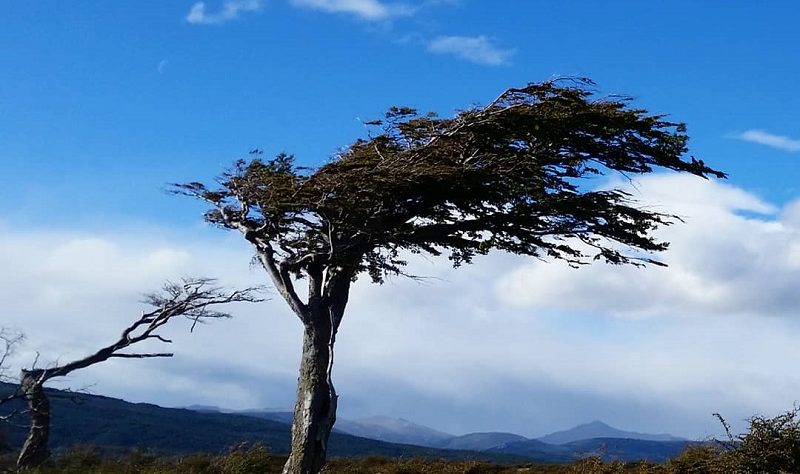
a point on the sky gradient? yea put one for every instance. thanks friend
(105, 103)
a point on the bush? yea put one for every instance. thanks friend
(245, 459)
(771, 445)
(703, 459)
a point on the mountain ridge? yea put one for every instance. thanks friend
(399, 430)
(115, 426)
(598, 429)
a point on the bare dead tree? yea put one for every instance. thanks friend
(191, 298)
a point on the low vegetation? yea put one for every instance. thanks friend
(771, 445)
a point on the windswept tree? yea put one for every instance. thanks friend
(509, 176)
(193, 299)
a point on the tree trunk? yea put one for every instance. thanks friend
(315, 407)
(35, 450)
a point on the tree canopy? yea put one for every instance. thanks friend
(509, 176)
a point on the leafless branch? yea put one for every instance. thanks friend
(142, 356)
(191, 298)
(9, 340)
(731, 442)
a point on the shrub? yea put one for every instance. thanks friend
(703, 459)
(771, 445)
(245, 459)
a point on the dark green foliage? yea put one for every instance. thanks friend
(508, 176)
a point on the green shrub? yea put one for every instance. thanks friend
(245, 459)
(703, 459)
(771, 445)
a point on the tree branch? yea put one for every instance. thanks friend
(141, 356)
(282, 281)
(190, 298)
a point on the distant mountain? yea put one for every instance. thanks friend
(116, 425)
(281, 416)
(205, 408)
(533, 448)
(598, 429)
(481, 441)
(595, 438)
(628, 449)
(394, 430)
(607, 448)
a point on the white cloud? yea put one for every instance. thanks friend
(761, 137)
(365, 9)
(162, 66)
(476, 49)
(198, 15)
(734, 255)
(504, 344)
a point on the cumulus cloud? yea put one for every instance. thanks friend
(231, 9)
(72, 293)
(761, 137)
(476, 49)
(734, 255)
(365, 9)
(504, 344)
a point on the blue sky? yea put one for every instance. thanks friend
(114, 99)
(103, 103)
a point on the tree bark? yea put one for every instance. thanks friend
(315, 406)
(35, 451)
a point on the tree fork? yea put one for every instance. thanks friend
(316, 402)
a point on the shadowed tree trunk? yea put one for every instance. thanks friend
(34, 450)
(315, 406)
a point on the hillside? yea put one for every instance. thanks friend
(598, 429)
(481, 441)
(115, 424)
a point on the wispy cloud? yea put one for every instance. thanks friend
(162, 66)
(761, 137)
(372, 10)
(198, 15)
(476, 49)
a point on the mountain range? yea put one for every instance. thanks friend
(117, 425)
(398, 430)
